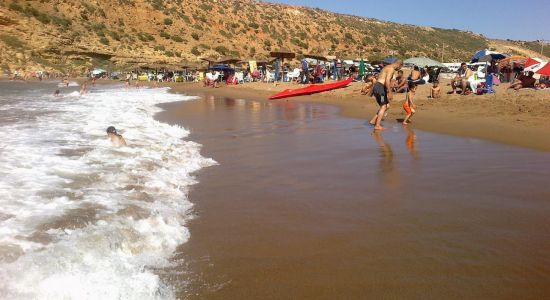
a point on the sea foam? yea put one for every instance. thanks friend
(79, 218)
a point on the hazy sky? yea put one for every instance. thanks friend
(505, 19)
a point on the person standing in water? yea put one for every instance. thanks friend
(382, 91)
(83, 89)
(115, 137)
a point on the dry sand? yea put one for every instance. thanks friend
(511, 117)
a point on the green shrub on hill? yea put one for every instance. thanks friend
(176, 38)
(221, 50)
(195, 51)
(12, 41)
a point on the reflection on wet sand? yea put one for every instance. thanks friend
(388, 171)
(411, 142)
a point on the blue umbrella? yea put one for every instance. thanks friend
(390, 60)
(487, 55)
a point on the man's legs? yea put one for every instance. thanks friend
(379, 116)
(453, 85)
(464, 86)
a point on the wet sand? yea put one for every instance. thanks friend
(308, 205)
(509, 117)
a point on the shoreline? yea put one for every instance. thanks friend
(507, 117)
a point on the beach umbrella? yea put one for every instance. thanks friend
(532, 61)
(228, 60)
(390, 60)
(535, 68)
(282, 54)
(423, 61)
(362, 67)
(487, 55)
(518, 60)
(544, 70)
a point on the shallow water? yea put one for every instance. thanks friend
(79, 218)
(308, 205)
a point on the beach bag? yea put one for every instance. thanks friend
(481, 89)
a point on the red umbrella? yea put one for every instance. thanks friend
(544, 71)
(531, 62)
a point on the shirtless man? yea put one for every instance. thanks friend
(461, 79)
(523, 81)
(415, 74)
(400, 83)
(383, 93)
(115, 138)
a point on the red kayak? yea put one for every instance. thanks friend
(311, 89)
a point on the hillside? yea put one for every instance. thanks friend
(77, 34)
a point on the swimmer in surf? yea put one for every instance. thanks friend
(115, 137)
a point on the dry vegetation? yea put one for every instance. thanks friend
(78, 34)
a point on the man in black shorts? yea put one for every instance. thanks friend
(383, 93)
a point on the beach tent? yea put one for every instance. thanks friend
(423, 61)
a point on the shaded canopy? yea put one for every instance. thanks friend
(423, 61)
(228, 60)
(282, 53)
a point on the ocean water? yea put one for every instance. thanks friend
(79, 218)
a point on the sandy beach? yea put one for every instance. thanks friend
(510, 117)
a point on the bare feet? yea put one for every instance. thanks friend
(404, 123)
(378, 128)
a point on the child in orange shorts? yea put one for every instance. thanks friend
(409, 105)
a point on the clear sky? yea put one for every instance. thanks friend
(505, 19)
